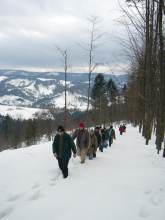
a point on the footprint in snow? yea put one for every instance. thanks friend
(144, 213)
(53, 184)
(14, 197)
(36, 185)
(35, 196)
(157, 197)
(5, 212)
(55, 179)
(148, 192)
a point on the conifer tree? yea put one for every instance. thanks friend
(99, 97)
(112, 90)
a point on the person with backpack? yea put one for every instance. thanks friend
(112, 135)
(105, 137)
(82, 141)
(63, 146)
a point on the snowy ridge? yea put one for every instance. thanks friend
(10, 99)
(19, 82)
(39, 90)
(36, 89)
(125, 182)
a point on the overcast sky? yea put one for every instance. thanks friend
(31, 29)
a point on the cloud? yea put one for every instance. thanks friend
(30, 29)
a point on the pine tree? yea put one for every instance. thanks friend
(7, 127)
(112, 90)
(99, 98)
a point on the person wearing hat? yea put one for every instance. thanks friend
(82, 141)
(63, 145)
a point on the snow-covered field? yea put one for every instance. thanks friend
(19, 112)
(125, 182)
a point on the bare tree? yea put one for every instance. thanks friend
(64, 55)
(94, 37)
(147, 87)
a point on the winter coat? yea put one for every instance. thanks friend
(93, 144)
(121, 129)
(63, 145)
(83, 138)
(124, 128)
(98, 136)
(106, 134)
(112, 134)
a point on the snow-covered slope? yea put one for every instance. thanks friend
(74, 100)
(34, 89)
(19, 112)
(125, 182)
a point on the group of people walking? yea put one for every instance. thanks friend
(87, 143)
(122, 129)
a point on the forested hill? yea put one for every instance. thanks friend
(36, 89)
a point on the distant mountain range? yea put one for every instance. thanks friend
(37, 89)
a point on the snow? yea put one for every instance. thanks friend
(19, 112)
(3, 78)
(31, 89)
(45, 90)
(62, 82)
(44, 79)
(73, 100)
(19, 82)
(41, 90)
(10, 99)
(125, 182)
(86, 82)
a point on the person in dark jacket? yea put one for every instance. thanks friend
(121, 129)
(112, 135)
(105, 137)
(97, 132)
(62, 147)
(124, 128)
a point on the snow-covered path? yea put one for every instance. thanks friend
(125, 182)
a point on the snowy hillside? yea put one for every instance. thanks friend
(21, 88)
(19, 112)
(125, 182)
